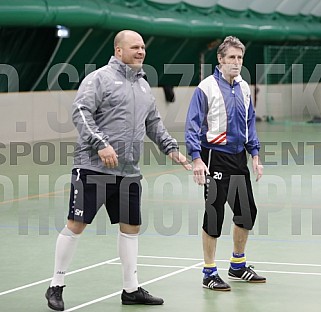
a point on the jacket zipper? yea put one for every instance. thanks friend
(236, 115)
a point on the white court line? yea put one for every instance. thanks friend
(258, 262)
(168, 258)
(142, 284)
(49, 279)
(222, 269)
(155, 265)
(290, 272)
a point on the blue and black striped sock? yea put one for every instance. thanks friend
(238, 261)
(209, 270)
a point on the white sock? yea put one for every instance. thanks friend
(128, 252)
(65, 248)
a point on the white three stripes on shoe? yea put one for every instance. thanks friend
(247, 276)
(211, 284)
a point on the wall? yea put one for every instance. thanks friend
(295, 102)
(38, 116)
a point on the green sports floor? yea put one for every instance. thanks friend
(285, 245)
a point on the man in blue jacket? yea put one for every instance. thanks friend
(113, 111)
(220, 129)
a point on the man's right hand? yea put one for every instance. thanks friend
(199, 170)
(108, 156)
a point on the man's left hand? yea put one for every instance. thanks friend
(257, 167)
(179, 158)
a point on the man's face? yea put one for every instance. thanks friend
(231, 63)
(131, 51)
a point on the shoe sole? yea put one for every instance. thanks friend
(144, 303)
(217, 289)
(243, 280)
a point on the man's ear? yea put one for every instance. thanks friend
(118, 51)
(219, 58)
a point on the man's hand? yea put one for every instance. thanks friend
(199, 170)
(108, 156)
(180, 159)
(257, 167)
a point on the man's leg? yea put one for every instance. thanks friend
(240, 236)
(244, 209)
(211, 278)
(129, 220)
(128, 253)
(209, 247)
(215, 197)
(65, 248)
(238, 269)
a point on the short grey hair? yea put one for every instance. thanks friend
(228, 42)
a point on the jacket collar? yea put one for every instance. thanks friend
(125, 70)
(219, 74)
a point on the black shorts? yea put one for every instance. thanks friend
(90, 190)
(229, 181)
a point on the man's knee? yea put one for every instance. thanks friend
(129, 229)
(75, 226)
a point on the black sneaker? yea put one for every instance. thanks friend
(140, 296)
(214, 282)
(246, 274)
(54, 297)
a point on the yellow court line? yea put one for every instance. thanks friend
(14, 200)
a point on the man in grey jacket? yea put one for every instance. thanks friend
(113, 110)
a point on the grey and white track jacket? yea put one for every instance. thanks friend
(114, 106)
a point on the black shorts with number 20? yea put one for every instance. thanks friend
(90, 190)
(229, 181)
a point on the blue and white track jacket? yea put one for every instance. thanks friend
(221, 117)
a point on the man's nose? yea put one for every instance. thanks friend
(237, 61)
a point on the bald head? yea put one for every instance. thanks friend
(123, 36)
(129, 48)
